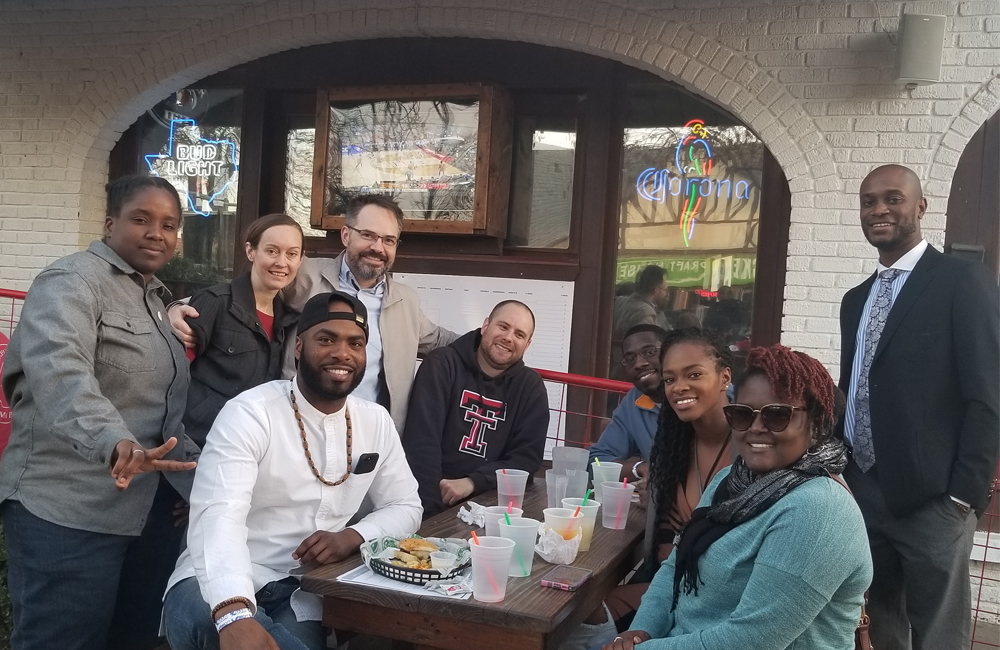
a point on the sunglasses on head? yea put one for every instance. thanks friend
(775, 416)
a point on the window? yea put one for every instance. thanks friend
(192, 139)
(690, 203)
(299, 145)
(541, 201)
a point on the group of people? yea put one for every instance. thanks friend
(297, 426)
(771, 513)
(188, 405)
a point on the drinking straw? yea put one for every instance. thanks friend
(489, 574)
(520, 561)
(618, 519)
(597, 461)
(510, 508)
(585, 497)
(625, 482)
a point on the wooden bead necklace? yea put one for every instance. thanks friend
(305, 445)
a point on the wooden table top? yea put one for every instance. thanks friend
(527, 607)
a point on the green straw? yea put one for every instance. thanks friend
(585, 497)
(597, 461)
(520, 561)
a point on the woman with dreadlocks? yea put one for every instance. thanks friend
(692, 444)
(776, 554)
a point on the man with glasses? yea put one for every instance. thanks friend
(629, 435)
(399, 329)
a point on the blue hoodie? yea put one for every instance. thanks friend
(631, 430)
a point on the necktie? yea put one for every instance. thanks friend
(864, 450)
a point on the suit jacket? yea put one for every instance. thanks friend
(934, 383)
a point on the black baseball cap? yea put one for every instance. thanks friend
(317, 311)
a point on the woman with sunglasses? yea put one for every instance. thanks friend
(242, 325)
(776, 555)
(692, 444)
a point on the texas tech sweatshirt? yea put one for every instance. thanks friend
(464, 423)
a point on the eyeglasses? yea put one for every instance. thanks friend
(387, 240)
(645, 353)
(775, 416)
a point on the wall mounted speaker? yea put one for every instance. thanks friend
(921, 40)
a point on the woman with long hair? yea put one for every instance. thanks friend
(776, 555)
(691, 446)
(242, 325)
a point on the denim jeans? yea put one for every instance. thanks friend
(190, 627)
(78, 589)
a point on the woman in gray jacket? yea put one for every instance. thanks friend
(97, 382)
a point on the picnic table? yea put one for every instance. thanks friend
(531, 617)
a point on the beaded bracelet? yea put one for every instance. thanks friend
(232, 601)
(232, 617)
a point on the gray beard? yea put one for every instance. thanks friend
(362, 270)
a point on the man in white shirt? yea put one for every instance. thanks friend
(285, 467)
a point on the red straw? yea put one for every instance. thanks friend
(577, 511)
(625, 482)
(504, 471)
(510, 507)
(489, 573)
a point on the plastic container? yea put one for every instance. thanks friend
(510, 486)
(563, 522)
(524, 532)
(603, 473)
(589, 514)
(615, 504)
(490, 565)
(493, 516)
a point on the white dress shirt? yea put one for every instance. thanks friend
(372, 300)
(255, 499)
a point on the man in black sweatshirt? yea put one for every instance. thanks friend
(476, 408)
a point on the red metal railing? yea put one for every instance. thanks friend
(582, 411)
(580, 406)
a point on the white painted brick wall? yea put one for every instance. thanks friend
(812, 78)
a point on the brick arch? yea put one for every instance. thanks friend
(669, 50)
(980, 107)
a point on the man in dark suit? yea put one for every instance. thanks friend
(920, 364)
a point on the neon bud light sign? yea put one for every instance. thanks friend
(204, 158)
(693, 163)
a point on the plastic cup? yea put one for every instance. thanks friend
(563, 522)
(615, 504)
(490, 565)
(494, 515)
(576, 482)
(603, 473)
(524, 532)
(510, 486)
(443, 561)
(589, 514)
(555, 487)
(569, 458)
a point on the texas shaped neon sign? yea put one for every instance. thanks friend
(201, 159)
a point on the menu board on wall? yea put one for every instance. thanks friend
(461, 303)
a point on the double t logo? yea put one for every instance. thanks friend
(483, 413)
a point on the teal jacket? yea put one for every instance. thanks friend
(793, 577)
